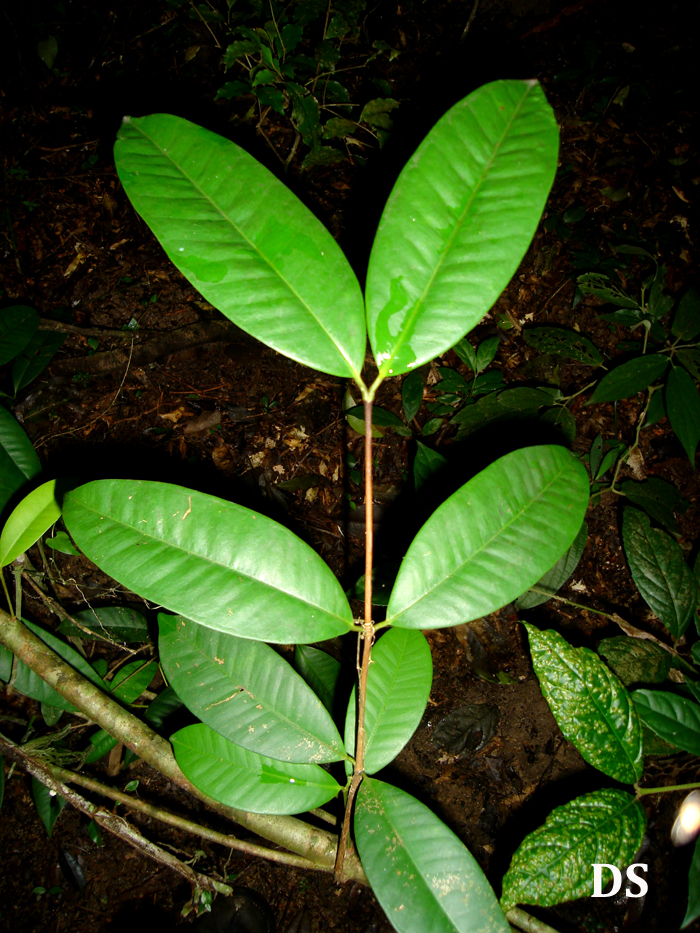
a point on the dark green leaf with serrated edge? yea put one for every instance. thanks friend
(635, 660)
(563, 342)
(683, 409)
(130, 681)
(411, 395)
(659, 571)
(320, 670)
(338, 127)
(555, 578)
(693, 909)
(626, 380)
(516, 518)
(657, 497)
(591, 706)
(120, 623)
(555, 863)
(48, 804)
(674, 718)
(246, 692)
(594, 283)
(686, 323)
(218, 563)
(398, 687)
(423, 876)
(240, 778)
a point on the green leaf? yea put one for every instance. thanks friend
(465, 351)
(101, 743)
(426, 463)
(491, 540)
(674, 718)
(129, 683)
(422, 875)
(659, 571)
(411, 395)
(458, 222)
(693, 910)
(217, 563)
(686, 322)
(34, 515)
(520, 402)
(691, 360)
(119, 623)
(244, 241)
(320, 670)
(6, 657)
(335, 92)
(18, 325)
(398, 687)
(563, 342)
(591, 707)
(35, 357)
(48, 804)
(240, 778)
(166, 703)
(270, 97)
(236, 50)
(629, 378)
(93, 831)
(338, 128)
(486, 352)
(50, 714)
(658, 498)
(63, 544)
(305, 117)
(594, 283)
(635, 660)
(381, 417)
(554, 863)
(555, 578)
(232, 89)
(683, 409)
(18, 459)
(376, 113)
(247, 693)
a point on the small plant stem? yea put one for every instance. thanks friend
(367, 639)
(641, 791)
(5, 590)
(527, 922)
(640, 425)
(117, 825)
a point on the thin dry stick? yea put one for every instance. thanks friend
(158, 813)
(469, 21)
(110, 821)
(367, 637)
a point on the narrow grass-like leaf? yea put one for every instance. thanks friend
(320, 670)
(458, 222)
(34, 515)
(591, 706)
(555, 578)
(217, 563)
(18, 459)
(247, 693)
(244, 240)
(422, 875)
(683, 409)
(659, 571)
(629, 378)
(674, 718)
(398, 687)
(240, 778)
(491, 540)
(555, 863)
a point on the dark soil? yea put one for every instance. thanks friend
(74, 249)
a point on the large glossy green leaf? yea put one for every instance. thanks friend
(683, 408)
(555, 578)
(34, 515)
(320, 670)
(491, 540)
(555, 863)
(458, 222)
(659, 571)
(674, 718)
(239, 778)
(423, 876)
(246, 692)
(398, 687)
(217, 563)
(591, 706)
(18, 325)
(18, 459)
(244, 241)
